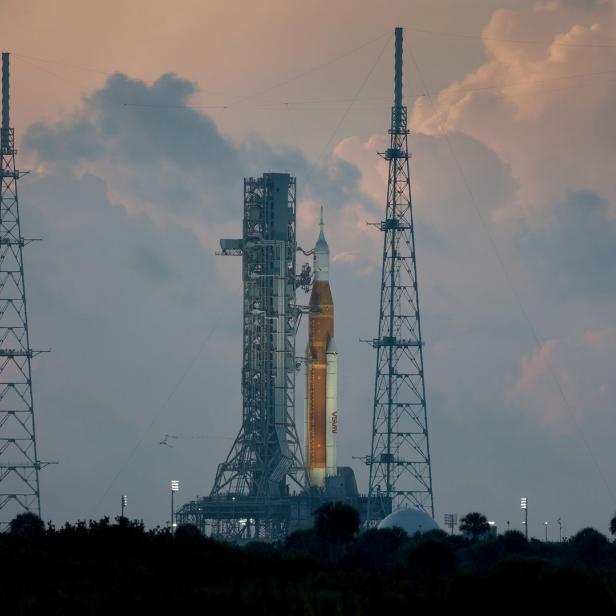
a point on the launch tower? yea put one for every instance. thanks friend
(263, 490)
(400, 458)
(265, 462)
(19, 463)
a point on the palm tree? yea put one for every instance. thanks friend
(613, 525)
(474, 524)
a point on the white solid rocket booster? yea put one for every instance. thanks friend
(331, 408)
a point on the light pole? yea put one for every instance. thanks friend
(451, 519)
(508, 525)
(546, 531)
(560, 530)
(124, 503)
(175, 487)
(524, 508)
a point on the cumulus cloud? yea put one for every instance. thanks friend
(543, 106)
(165, 159)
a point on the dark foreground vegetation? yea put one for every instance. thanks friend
(120, 568)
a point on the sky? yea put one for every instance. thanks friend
(138, 125)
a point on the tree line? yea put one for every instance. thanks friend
(334, 568)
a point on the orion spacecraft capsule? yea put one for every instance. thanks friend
(321, 372)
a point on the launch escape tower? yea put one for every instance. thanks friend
(265, 461)
(400, 457)
(19, 463)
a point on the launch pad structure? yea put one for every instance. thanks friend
(262, 491)
(252, 496)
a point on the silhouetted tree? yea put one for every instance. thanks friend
(336, 524)
(435, 534)
(187, 532)
(27, 524)
(378, 547)
(102, 568)
(302, 540)
(513, 542)
(589, 545)
(474, 524)
(613, 525)
(433, 558)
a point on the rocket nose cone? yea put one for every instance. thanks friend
(321, 256)
(321, 245)
(331, 347)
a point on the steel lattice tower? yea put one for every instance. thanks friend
(19, 463)
(400, 457)
(265, 461)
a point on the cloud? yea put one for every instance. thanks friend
(576, 254)
(567, 384)
(165, 159)
(124, 304)
(543, 108)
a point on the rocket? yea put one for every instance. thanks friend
(321, 372)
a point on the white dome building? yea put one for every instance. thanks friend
(410, 521)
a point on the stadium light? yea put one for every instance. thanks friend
(524, 508)
(175, 487)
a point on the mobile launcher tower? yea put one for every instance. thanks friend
(264, 490)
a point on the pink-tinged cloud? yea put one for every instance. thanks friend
(545, 107)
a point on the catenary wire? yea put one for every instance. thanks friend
(340, 122)
(509, 40)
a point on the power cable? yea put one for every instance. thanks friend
(296, 103)
(240, 97)
(508, 40)
(347, 110)
(313, 69)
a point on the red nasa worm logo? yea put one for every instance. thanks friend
(334, 421)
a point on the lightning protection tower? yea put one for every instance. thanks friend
(19, 463)
(400, 457)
